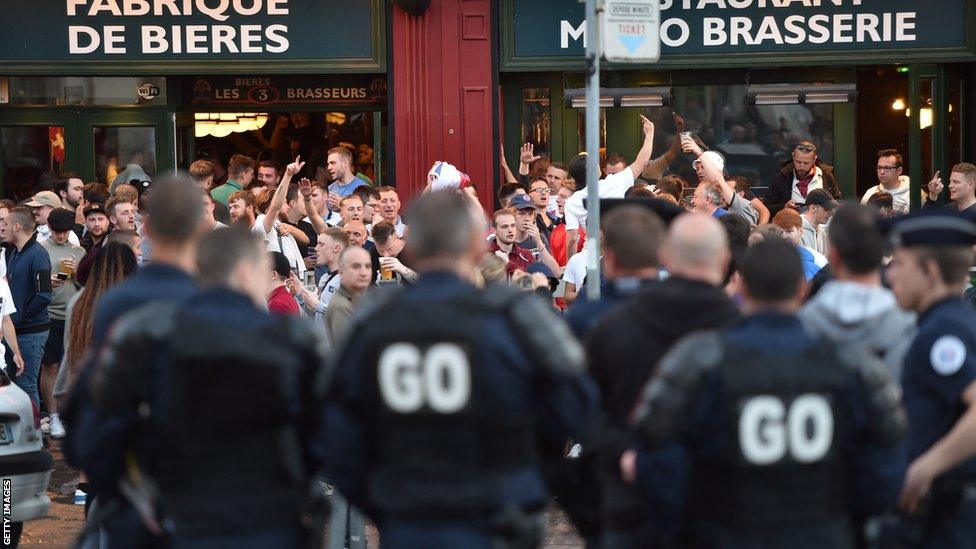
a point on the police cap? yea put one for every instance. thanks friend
(939, 228)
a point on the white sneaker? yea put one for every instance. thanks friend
(57, 428)
(80, 497)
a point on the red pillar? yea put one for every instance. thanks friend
(442, 94)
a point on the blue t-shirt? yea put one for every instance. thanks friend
(347, 189)
(719, 212)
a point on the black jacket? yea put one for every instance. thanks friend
(780, 189)
(624, 349)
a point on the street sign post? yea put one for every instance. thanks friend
(630, 30)
(625, 31)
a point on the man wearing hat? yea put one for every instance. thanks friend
(65, 258)
(41, 204)
(933, 254)
(97, 226)
(280, 300)
(819, 207)
(528, 235)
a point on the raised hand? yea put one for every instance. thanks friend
(935, 186)
(528, 154)
(647, 126)
(689, 145)
(294, 167)
(305, 187)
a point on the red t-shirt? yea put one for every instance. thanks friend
(519, 258)
(557, 241)
(280, 302)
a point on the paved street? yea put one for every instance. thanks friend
(65, 519)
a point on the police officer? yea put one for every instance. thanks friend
(442, 393)
(933, 254)
(216, 397)
(172, 224)
(789, 437)
(632, 233)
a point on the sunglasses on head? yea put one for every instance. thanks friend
(805, 148)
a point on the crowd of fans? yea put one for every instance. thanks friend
(330, 244)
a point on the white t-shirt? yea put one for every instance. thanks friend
(614, 186)
(7, 307)
(327, 289)
(281, 243)
(815, 183)
(575, 272)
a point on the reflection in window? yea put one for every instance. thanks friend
(581, 129)
(126, 152)
(87, 91)
(954, 122)
(925, 119)
(755, 141)
(536, 119)
(30, 152)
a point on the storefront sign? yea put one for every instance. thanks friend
(630, 30)
(182, 31)
(277, 90)
(553, 29)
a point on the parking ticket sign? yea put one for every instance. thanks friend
(631, 31)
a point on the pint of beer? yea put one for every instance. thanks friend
(67, 267)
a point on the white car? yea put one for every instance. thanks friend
(25, 467)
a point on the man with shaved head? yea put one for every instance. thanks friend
(625, 345)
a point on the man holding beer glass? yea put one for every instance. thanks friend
(65, 257)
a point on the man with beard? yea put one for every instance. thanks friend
(242, 208)
(268, 175)
(803, 173)
(97, 223)
(696, 255)
(344, 180)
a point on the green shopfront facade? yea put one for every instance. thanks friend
(90, 86)
(908, 65)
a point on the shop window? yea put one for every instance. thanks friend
(581, 131)
(30, 154)
(537, 119)
(925, 123)
(755, 140)
(129, 152)
(83, 91)
(954, 126)
(280, 136)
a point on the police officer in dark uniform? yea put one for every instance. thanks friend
(172, 224)
(933, 254)
(769, 436)
(632, 232)
(442, 394)
(219, 400)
